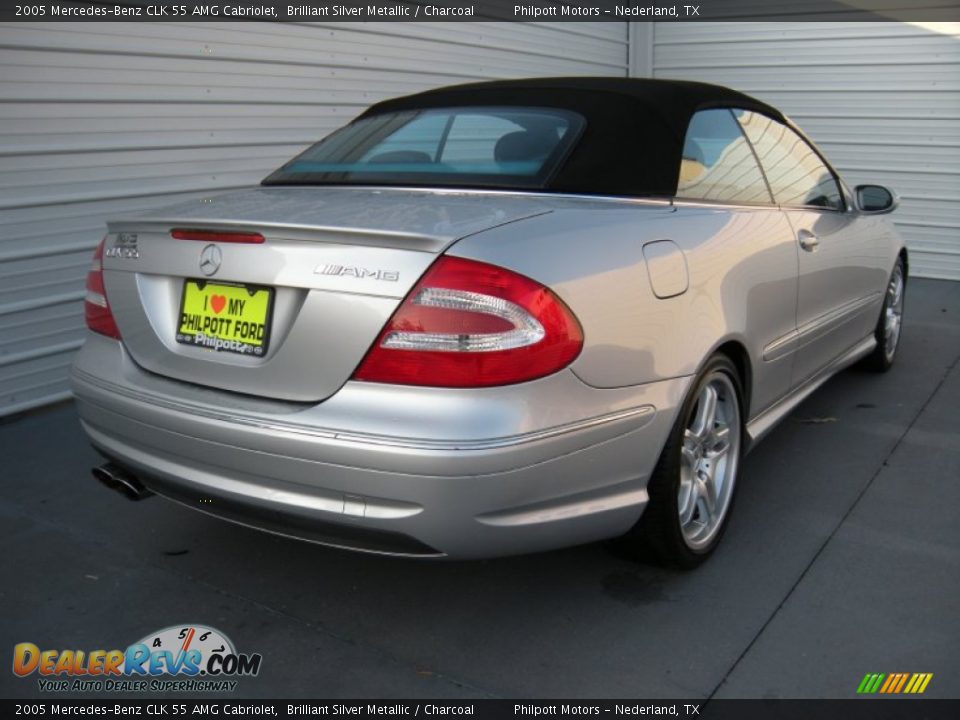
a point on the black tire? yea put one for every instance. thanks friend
(882, 358)
(659, 536)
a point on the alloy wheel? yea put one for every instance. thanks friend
(893, 313)
(709, 458)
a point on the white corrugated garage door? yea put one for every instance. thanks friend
(882, 100)
(103, 118)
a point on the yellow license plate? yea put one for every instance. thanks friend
(225, 317)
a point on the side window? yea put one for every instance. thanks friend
(718, 163)
(797, 175)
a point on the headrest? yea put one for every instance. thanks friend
(524, 145)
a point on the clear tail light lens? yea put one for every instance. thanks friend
(470, 324)
(96, 309)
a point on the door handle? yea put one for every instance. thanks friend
(808, 241)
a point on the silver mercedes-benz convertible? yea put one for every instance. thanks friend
(490, 319)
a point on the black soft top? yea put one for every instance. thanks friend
(633, 139)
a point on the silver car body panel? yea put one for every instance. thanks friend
(746, 258)
(764, 422)
(485, 472)
(289, 443)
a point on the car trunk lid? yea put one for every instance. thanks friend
(333, 265)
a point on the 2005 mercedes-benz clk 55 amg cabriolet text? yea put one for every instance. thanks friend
(490, 319)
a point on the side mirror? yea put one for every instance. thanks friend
(876, 199)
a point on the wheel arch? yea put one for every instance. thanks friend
(737, 352)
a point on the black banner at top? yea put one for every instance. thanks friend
(470, 10)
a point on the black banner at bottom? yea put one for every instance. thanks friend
(854, 709)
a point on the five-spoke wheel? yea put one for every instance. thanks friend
(708, 461)
(890, 323)
(692, 487)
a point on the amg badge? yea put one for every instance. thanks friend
(357, 272)
(124, 246)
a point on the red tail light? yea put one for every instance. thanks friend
(217, 236)
(469, 324)
(96, 309)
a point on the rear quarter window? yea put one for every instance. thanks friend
(717, 162)
(797, 175)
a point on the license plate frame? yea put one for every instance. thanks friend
(188, 332)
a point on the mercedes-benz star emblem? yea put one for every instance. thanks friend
(210, 259)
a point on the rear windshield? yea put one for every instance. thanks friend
(511, 147)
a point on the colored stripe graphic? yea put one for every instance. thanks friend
(894, 683)
(870, 683)
(903, 680)
(918, 683)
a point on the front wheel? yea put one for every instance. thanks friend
(692, 487)
(890, 323)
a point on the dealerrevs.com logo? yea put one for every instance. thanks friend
(183, 658)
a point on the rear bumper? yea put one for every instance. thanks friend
(463, 474)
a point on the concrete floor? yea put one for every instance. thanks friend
(842, 558)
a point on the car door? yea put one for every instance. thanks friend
(836, 289)
(753, 254)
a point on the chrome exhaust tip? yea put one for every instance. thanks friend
(120, 480)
